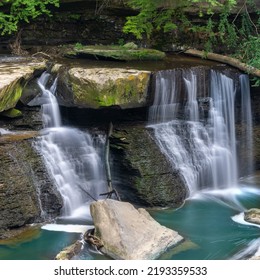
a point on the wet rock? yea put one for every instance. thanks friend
(69, 252)
(103, 87)
(141, 173)
(13, 78)
(252, 216)
(129, 233)
(26, 193)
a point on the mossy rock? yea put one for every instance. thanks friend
(12, 113)
(128, 52)
(104, 87)
(13, 78)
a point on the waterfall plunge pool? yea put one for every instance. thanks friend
(205, 221)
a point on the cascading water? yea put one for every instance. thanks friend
(201, 144)
(72, 157)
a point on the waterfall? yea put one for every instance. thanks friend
(197, 133)
(71, 156)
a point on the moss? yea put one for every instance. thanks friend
(124, 53)
(10, 95)
(12, 113)
(126, 91)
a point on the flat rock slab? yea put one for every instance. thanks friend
(252, 216)
(120, 53)
(129, 233)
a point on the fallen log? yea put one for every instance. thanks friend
(225, 59)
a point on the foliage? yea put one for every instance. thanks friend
(236, 34)
(249, 52)
(15, 11)
(78, 46)
(165, 15)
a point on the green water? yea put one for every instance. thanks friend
(205, 222)
(207, 226)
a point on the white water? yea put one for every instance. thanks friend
(67, 228)
(71, 156)
(5, 131)
(203, 150)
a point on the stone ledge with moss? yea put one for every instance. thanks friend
(13, 78)
(127, 52)
(103, 87)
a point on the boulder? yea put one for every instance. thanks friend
(13, 78)
(103, 87)
(129, 233)
(252, 216)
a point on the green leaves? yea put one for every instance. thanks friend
(22, 10)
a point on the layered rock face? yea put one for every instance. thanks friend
(140, 169)
(26, 193)
(129, 233)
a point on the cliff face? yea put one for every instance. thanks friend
(99, 22)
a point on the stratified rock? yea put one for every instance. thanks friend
(26, 192)
(69, 252)
(142, 173)
(103, 87)
(13, 78)
(130, 233)
(252, 216)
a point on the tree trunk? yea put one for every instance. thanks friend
(225, 59)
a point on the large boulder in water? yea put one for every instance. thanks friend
(103, 87)
(252, 216)
(130, 233)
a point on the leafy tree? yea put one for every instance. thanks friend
(166, 15)
(15, 11)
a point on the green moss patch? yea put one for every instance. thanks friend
(120, 53)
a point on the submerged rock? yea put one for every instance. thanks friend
(252, 216)
(130, 233)
(69, 252)
(103, 87)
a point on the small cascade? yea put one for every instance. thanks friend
(201, 142)
(71, 156)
